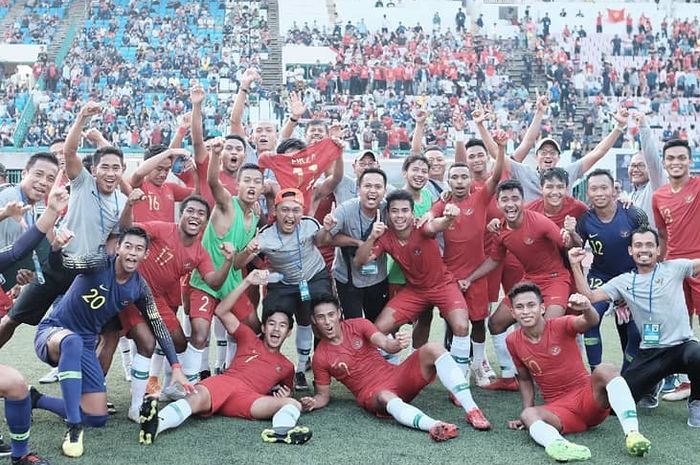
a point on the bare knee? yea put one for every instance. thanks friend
(529, 415)
(605, 372)
(12, 386)
(200, 333)
(434, 349)
(144, 341)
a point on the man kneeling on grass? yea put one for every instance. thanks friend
(247, 388)
(348, 352)
(575, 400)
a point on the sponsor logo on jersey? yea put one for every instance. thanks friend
(555, 350)
(528, 240)
(690, 198)
(417, 251)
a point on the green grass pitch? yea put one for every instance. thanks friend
(345, 434)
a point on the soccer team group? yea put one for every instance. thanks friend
(94, 256)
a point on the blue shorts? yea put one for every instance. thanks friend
(92, 376)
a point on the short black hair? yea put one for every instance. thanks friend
(58, 140)
(433, 148)
(372, 171)
(601, 172)
(475, 143)
(509, 185)
(135, 231)
(645, 228)
(291, 144)
(397, 195)
(525, 287)
(268, 311)
(324, 299)
(194, 198)
(675, 143)
(554, 173)
(154, 150)
(238, 138)
(104, 151)
(456, 165)
(46, 156)
(246, 167)
(414, 159)
(87, 162)
(316, 122)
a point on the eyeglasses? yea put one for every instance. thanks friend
(637, 166)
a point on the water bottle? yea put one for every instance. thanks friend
(275, 277)
(37, 269)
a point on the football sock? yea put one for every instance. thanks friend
(460, 352)
(191, 362)
(125, 350)
(157, 360)
(286, 417)
(594, 348)
(204, 363)
(504, 360)
(70, 377)
(543, 433)
(623, 404)
(231, 346)
(305, 339)
(220, 336)
(408, 415)
(452, 378)
(52, 404)
(173, 415)
(186, 327)
(139, 379)
(479, 353)
(19, 420)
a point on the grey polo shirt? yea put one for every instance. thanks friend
(529, 177)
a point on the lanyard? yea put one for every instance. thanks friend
(98, 196)
(651, 287)
(364, 232)
(299, 263)
(29, 215)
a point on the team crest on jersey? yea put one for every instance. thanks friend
(624, 233)
(189, 266)
(357, 344)
(469, 211)
(278, 369)
(555, 350)
(417, 251)
(528, 240)
(690, 198)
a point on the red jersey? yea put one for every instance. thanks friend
(159, 204)
(168, 260)
(679, 215)
(555, 361)
(302, 169)
(464, 240)
(355, 362)
(256, 366)
(419, 258)
(570, 207)
(228, 181)
(537, 244)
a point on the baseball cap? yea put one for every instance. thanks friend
(289, 194)
(548, 140)
(366, 153)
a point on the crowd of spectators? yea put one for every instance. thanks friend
(38, 23)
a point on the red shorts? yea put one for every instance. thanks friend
(202, 305)
(405, 380)
(477, 299)
(555, 289)
(578, 411)
(230, 397)
(509, 273)
(691, 289)
(185, 292)
(131, 316)
(410, 302)
(5, 303)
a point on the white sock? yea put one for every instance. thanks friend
(231, 346)
(544, 434)
(408, 415)
(623, 404)
(191, 362)
(286, 417)
(125, 350)
(204, 363)
(157, 361)
(479, 353)
(186, 326)
(220, 336)
(139, 379)
(683, 378)
(452, 378)
(504, 360)
(460, 353)
(173, 415)
(305, 339)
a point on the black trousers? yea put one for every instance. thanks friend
(357, 301)
(652, 365)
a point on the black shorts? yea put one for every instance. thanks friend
(362, 301)
(36, 299)
(288, 298)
